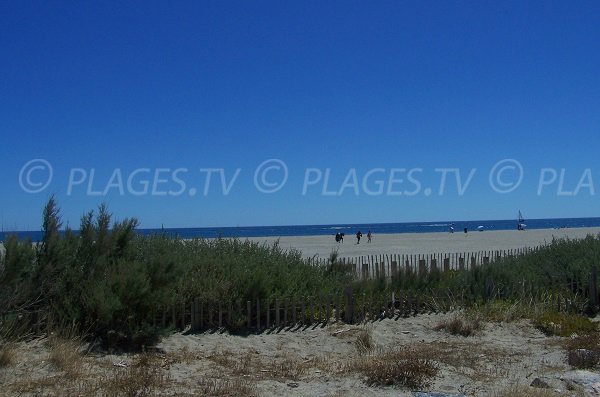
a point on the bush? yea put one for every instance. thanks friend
(397, 368)
(114, 283)
(562, 324)
(463, 325)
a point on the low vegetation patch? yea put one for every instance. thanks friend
(284, 366)
(144, 378)
(66, 355)
(525, 391)
(226, 387)
(364, 343)
(564, 324)
(404, 368)
(8, 354)
(461, 324)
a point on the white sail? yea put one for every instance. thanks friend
(520, 222)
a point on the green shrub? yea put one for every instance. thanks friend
(562, 324)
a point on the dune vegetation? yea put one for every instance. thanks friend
(110, 282)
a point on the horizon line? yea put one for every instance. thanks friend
(320, 224)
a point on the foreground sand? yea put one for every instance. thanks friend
(425, 243)
(309, 362)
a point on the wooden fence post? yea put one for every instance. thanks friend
(257, 313)
(201, 314)
(249, 311)
(593, 290)
(268, 305)
(294, 311)
(220, 315)
(183, 317)
(422, 266)
(488, 288)
(349, 311)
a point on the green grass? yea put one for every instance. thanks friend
(562, 324)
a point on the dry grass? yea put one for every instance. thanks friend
(461, 324)
(66, 355)
(79, 375)
(364, 343)
(478, 363)
(227, 387)
(405, 367)
(284, 366)
(8, 355)
(525, 391)
(589, 342)
(183, 355)
(287, 366)
(240, 364)
(141, 379)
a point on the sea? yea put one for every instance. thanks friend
(348, 228)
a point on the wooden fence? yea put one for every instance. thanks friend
(387, 265)
(258, 315)
(290, 312)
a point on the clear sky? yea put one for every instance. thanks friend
(113, 95)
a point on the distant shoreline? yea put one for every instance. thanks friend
(331, 229)
(424, 243)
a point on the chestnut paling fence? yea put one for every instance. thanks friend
(387, 265)
(257, 315)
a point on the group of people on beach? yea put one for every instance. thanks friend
(339, 237)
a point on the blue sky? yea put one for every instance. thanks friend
(339, 85)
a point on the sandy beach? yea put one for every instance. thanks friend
(425, 243)
(501, 360)
(421, 243)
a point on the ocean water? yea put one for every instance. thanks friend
(349, 229)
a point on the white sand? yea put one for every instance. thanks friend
(425, 243)
(422, 243)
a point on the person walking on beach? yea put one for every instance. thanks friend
(358, 236)
(369, 235)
